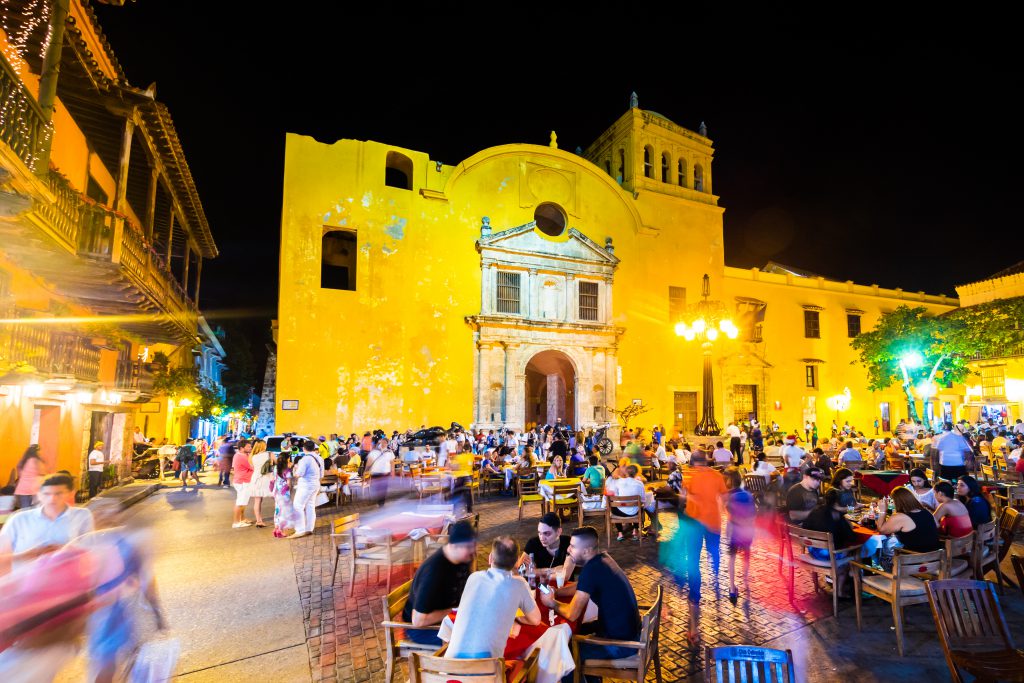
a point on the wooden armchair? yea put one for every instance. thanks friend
(959, 556)
(903, 586)
(632, 668)
(436, 668)
(1010, 520)
(756, 485)
(1017, 561)
(395, 647)
(986, 553)
(618, 503)
(528, 493)
(733, 663)
(837, 557)
(377, 548)
(564, 497)
(341, 529)
(973, 632)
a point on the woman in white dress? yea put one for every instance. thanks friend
(262, 477)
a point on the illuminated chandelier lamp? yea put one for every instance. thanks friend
(708, 319)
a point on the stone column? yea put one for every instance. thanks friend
(529, 308)
(489, 298)
(570, 298)
(556, 398)
(607, 299)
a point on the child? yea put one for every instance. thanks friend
(284, 510)
(739, 528)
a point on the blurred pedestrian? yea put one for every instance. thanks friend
(284, 508)
(225, 454)
(31, 473)
(263, 477)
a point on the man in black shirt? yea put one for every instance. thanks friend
(829, 517)
(803, 496)
(604, 582)
(550, 548)
(438, 584)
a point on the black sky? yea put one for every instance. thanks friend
(869, 148)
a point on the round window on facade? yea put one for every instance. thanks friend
(550, 219)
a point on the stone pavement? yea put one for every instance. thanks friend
(346, 643)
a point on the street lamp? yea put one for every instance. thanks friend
(708, 319)
(910, 361)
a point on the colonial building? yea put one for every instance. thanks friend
(528, 283)
(102, 242)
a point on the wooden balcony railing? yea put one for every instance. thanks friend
(22, 124)
(63, 215)
(54, 353)
(133, 375)
(1010, 351)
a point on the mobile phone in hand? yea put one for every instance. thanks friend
(545, 589)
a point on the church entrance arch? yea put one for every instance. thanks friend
(550, 389)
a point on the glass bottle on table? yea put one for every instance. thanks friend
(531, 573)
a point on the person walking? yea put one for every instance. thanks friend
(242, 464)
(308, 470)
(31, 473)
(97, 461)
(380, 464)
(263, 478)
(225, 454)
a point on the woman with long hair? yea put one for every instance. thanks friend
(913, 524)
(262, 478)
(32, 471)
(557, 469)
(968, 490)
(284, 509)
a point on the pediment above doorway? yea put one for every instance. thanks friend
(526, 240)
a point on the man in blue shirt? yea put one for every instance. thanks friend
(44, 528)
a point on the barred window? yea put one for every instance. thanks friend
(588, 300)
(852, 325)
(676, 304)
(508, 292)
(812, 325)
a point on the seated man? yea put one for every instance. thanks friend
(488, 606)
(603, 582)
(722, 455)
(829, 516)
(438, 584)
(630, 485)
(850, 455)
(595, 475)
(488, 468)
(549, 548)
(802, 497)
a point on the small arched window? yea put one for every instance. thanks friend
(648, 164)
(398, 171)
(681, 173)
(698, 178)
(621, 177)
(666, 168)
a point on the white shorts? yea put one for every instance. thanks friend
(244, 492)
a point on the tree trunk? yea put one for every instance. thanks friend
(912, 403)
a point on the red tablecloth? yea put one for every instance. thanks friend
(884, 482)
(528, 635)
(401, 523)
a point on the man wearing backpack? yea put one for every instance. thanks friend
(188, 463)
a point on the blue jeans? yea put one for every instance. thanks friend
(590, 651)
(423, 636)
(699, 535)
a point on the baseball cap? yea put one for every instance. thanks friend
(816, 473)
(462, 532)
(321, 438)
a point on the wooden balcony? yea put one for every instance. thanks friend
(57, 354)
(22, 124)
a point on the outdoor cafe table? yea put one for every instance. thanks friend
(547, 486)
(883, 482)
(401, 524)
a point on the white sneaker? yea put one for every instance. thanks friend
(240, 525)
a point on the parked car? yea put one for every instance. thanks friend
(431, 436)
(274, 442)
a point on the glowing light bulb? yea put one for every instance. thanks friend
(689, 335)
(712, 334)
(681, 329)
(732, 333)
(699, 325)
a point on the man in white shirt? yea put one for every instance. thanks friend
(792, 455)
(380, 464)
(735, 445)
(951, 447)
(683, 454)
(627, 486)
(661, 455)
(97, 461)
(44, 528)
(1018, 427)
(308, 471)
(721, 455)
(487, 610)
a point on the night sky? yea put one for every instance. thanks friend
(869, 149)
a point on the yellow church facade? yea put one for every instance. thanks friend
(530, 283)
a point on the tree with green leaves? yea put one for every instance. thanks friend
(913, 347)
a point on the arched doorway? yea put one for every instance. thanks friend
(550, 389)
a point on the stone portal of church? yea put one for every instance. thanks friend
(550, 389)
(545, 343)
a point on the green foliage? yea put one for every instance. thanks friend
(941, 340)
(992, 327)
(175, 382)
(206, 405)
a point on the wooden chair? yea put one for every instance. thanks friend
(988, 473)
(431, 485)
(895, 464)
(973, 631)
(376, 547)
(986, 552)
(806, 539)
(491, 481)
(756, 485)
(436, 668)
(342, 529)
(1017, 561)
(632, 668)
(737, 663)
(1007, 474)
(528, 493)
(903, 586)
(1010, 520)
(564, 497)
(929, 473)
(618, 503)
(957, 549)
(396, 647)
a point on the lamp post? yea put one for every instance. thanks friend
(706, 320)
(911, 360)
